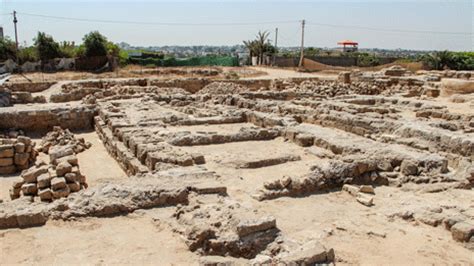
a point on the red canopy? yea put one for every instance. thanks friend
(347, 42)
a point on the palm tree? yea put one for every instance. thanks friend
(260, 46)
(262, 40)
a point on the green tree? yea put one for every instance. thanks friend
(80, 51)
(95, 44)
(115, 51)
(46, 47)
(67, 49)
(7, 49)
(112, 49)
(27, 54)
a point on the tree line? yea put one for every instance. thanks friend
(45, 48)
(448, 60)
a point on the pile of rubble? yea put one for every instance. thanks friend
(49, 182)
(395, 71)
(333, 89)
(16, 154)
(62, 137)
(222, 88)
(362, 193)
(224, 228)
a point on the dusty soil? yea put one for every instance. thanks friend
(132, 239)
(96, 163)
(279, 73)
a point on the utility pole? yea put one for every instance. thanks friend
(276, 46)
(276, 38)
(302, 44)
(16, 32)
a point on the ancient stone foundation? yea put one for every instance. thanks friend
(225, 155)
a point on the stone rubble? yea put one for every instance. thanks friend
(62, 137)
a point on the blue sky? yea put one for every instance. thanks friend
(421, 15)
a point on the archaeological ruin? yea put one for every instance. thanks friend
(304, 170)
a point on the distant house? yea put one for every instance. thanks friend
(349, 46)
(135, 53)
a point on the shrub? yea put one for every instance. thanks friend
(448, 60)
(367, 60)
(123, 58)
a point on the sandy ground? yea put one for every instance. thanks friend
(133, 239)
(102, 167)
(366, 236)
(280, 73)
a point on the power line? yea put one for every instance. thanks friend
(388, 30)
(157, 23)
(241, 23)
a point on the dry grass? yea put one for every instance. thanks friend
(135, 71)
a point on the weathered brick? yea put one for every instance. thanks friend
(6, 161)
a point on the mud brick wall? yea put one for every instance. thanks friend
(40, 119)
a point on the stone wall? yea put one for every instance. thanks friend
(22, 97)
(28, 86)
(44, 118)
